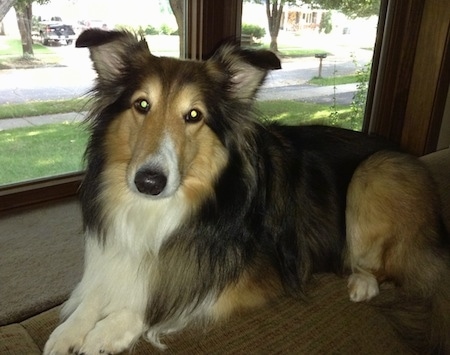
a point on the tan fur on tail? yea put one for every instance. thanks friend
(394, 233)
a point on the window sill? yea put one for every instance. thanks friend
(39, 191)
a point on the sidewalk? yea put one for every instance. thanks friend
(319, 94)
(343, 94)
(10, 123)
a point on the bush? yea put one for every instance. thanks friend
(253, 30)
(325, 23)
(150, 30)
(166, 30)
(136, 30)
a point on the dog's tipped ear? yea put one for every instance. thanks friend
(110, 50)
(246, 69)
(263, 59)
(96, 37)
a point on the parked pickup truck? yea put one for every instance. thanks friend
(55, 30)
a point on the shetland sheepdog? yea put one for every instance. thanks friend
(195, 208)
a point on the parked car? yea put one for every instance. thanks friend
(55, 30)
(82, 25)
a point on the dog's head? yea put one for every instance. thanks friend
(158, 123)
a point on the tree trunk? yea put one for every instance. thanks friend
(274, 20)
(24, 21)
(5, 6)
(178, 10)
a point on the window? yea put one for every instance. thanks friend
(412, 49)
(326, 59)
(43, 99)
(412, 77)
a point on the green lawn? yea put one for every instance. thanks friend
(38, 108)
(35, 152)
(11, 55)
(13, 47)
(337, 80)
(300, 52)
(39, 151)
(52, 149)
(296, 112)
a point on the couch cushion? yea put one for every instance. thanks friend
(326, 322)
(15, 340)
(41, 259)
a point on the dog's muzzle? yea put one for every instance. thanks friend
(150, 181)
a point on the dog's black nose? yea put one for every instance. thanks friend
(150, 182)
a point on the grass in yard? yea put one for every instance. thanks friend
(11, 55)
(295, 112)
(13, 46)
(337, 80)
(299, 53)
(38, 108)
(39, 151)
(295, 52)
(52, 149)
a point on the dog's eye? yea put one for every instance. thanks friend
(142, 105)
(193, 116)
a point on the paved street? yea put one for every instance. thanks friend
(68, 82)
(21, 85)
(74, 77)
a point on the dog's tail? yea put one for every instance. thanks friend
(421, 317)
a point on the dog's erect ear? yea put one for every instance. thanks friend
(246, 69)
(111, 50)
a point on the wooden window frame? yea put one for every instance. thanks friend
(412, 80)
(210, 23)
(407, 92)
(38, 191)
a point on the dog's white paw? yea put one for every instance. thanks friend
(362, 287)
(113, 334)
(65, 339)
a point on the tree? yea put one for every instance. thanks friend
(24, 15)
(274, 11)
(5, 6)
(325, 23)
(350, 8)
(274, 14)
(177, 7)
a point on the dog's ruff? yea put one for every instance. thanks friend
(194, 209)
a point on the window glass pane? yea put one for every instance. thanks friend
(326, 59)
(43, 87)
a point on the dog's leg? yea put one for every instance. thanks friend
(83, 334)
(83, 309)
(114, 334)
(69, 336)
(367, 229)
(392, 221)
(365, 260)
(107, 308)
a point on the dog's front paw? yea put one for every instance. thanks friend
(65, 339)
(362, 287)
(113, 334)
